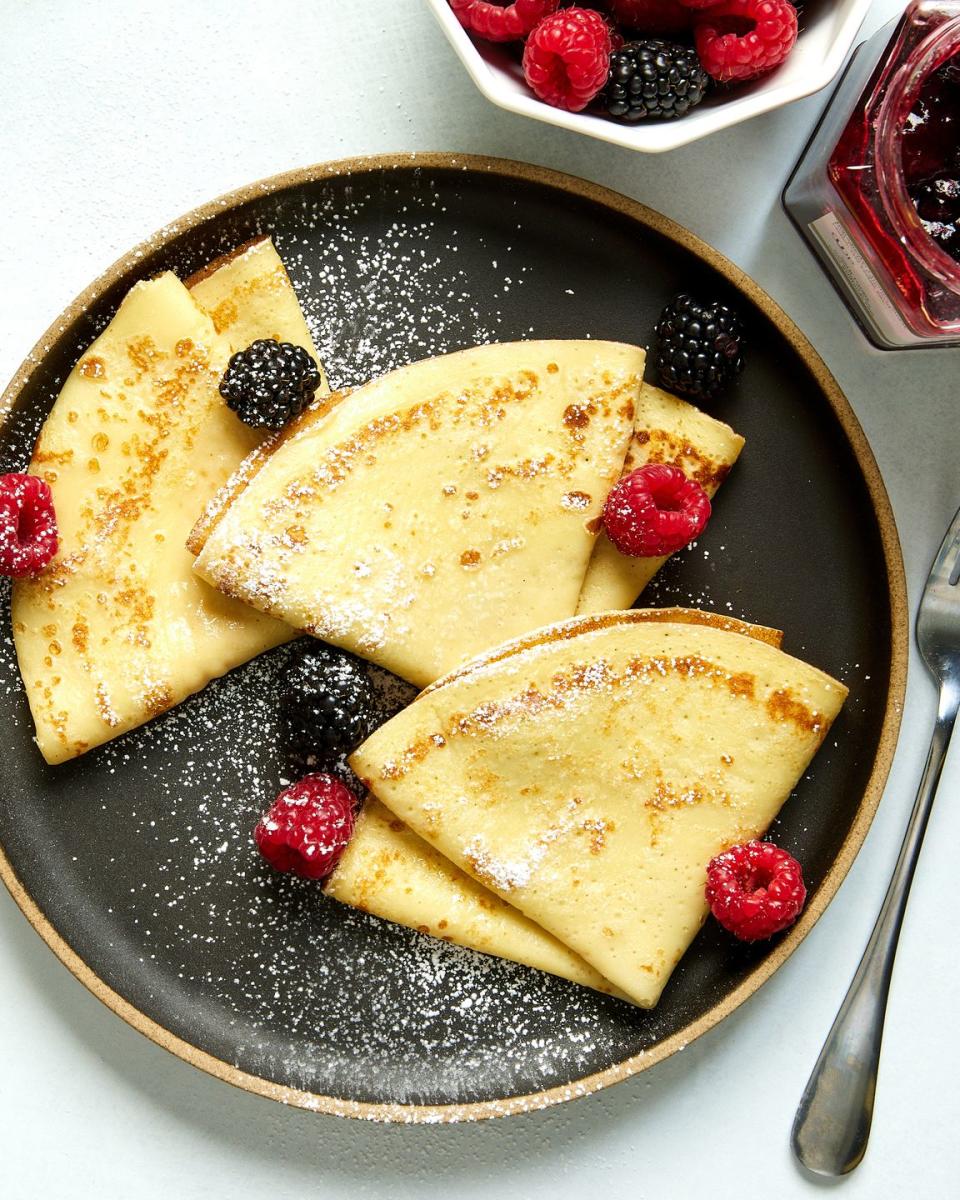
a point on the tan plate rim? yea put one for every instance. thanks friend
(583, 189)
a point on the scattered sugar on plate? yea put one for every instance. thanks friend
(160, 888)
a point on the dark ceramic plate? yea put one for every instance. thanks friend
(135, 863)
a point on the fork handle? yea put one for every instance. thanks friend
(833, 1120)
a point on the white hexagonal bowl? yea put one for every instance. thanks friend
(828, 29)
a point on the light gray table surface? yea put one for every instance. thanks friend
(114, 119)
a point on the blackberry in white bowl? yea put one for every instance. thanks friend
(654, 78)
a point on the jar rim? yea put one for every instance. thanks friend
(928, 56)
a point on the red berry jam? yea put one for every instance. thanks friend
(931, 156)
(876, 192)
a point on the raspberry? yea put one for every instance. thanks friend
(738, 39)
(755, 890)
(501, 22)
(28, 525)
(307, 827)
(651, 16)
(699, 346)
(567, 57)
(655, 510)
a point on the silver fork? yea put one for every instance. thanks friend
(832, 1125)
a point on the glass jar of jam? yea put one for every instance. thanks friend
(877, 191)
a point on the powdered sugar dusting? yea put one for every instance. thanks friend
(262, 969)
(142, 853)
(280, 979)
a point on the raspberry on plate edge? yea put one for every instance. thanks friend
(755, 890)
(28, 525)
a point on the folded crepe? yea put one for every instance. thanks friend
(390, 871)
(119, 628)
(666, 430)
(436, 511)
(587, 774)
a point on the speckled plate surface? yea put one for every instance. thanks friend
(135, 863)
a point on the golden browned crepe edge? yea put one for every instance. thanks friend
(590, 621)
(247, 471)
(710, 472)
(222, 260)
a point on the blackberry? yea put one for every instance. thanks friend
(698, 346)
(269, 383)
(328, 706)
(654, 78)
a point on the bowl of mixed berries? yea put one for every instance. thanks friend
(649, 74)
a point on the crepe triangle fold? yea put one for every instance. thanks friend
(437, 510)
(587, 774)
(119, 628)
(391, 872)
